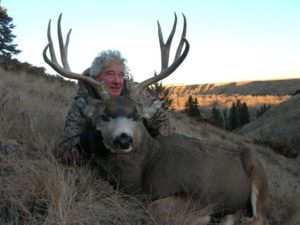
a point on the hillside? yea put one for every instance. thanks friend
(280, 125)
(36, 189)
(279, 128)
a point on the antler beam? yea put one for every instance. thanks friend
(166, 70)
(165, 50)
(65, 69)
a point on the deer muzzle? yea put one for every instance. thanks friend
(123, 142)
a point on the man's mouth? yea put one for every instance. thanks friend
(115, 87)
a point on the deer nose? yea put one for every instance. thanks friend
(123, 141)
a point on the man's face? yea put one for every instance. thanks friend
(113, 78)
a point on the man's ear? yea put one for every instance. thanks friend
(149, 111)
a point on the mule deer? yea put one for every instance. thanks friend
(176, 168)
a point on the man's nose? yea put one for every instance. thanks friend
(116, 79)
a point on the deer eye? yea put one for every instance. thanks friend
(104, 118)
(134, 116)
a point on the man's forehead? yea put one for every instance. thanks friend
(113, 65)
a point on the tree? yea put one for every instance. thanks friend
(158, 90)
(191, 107)
(216, 116)
(238, 115)
(225, 119)
(244, 116)
(7, 48)
(262, 110)
(232, 118)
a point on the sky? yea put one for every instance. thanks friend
(230, 40)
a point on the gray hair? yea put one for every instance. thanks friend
(104, 58)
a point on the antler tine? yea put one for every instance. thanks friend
(165, 49)
(51, 49)
(180, 46)
(65, 70)
(63, 47)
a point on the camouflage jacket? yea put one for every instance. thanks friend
(68, 150)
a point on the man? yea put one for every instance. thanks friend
(80, 139)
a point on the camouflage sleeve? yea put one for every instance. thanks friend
(68, 151)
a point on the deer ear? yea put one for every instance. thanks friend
(149, 111)
(87, 108)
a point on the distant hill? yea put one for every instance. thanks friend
(253, 93)
(279, 127)
(268, 87)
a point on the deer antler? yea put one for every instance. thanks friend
(165, 50)
(99, 87)
(65, 69)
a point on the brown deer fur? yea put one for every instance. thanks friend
(205, 172)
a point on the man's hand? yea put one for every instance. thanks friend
(91, 143)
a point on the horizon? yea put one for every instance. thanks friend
(231, 41)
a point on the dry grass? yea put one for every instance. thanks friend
(35, 189)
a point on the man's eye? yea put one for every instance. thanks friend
(104, 118)
(110, 73)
